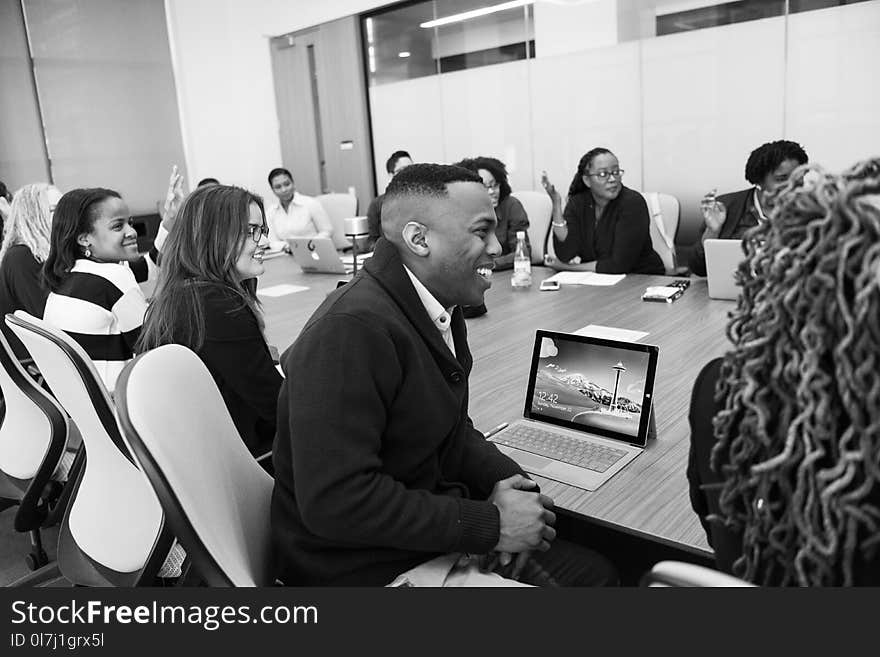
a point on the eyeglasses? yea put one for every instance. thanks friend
(602, 175)
(494, 185)
(257, 232)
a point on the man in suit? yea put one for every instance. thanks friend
(378, 466)
(729, 216)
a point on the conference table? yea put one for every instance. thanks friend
(649, 497)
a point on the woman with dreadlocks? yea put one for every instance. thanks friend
(784, 467)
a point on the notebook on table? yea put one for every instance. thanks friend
(588, 408)
(722, 259)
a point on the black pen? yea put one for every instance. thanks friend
(492, 432)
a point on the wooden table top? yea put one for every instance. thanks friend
(649, 497)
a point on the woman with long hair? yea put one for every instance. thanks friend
(94, 295)
(605, 226)
(785, 429)
(205, 301)
(24, 250)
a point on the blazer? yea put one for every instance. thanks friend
(741, 216)
(378, 466)
(620, 242)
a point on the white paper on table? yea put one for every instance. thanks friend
(611, 333)
(280, 290)
(586, 278)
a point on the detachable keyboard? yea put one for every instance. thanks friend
(559, 447)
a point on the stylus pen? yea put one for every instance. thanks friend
(492, 432)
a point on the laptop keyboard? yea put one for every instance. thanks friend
(559, 447)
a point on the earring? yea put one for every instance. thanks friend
(88, 252)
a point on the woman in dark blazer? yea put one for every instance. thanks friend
(605, 226)
(206, 301)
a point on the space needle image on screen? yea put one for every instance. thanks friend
(596, 386)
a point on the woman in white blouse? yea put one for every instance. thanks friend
(295, 215)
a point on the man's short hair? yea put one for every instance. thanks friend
(764, 159)
(427, 179)
(280, 171)
(392, 161)
(208, 181)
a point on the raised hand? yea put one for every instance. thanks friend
(714, 212)
(549, 188)
(173, 197)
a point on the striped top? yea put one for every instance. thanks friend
(101, 306)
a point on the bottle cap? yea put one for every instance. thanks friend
(520, 234)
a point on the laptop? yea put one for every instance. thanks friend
(588, 409)
(317, 255)
(722, 259)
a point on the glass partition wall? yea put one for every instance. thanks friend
(680, 90)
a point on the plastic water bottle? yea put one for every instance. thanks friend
(522, 264)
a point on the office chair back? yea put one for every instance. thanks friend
(339, 207)
(539, 209)
(114, 522)
(215, 495)
(33, 438)
(680, 574)
(665, 212)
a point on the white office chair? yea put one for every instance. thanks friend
(665, 212)
(33, 440)
(539, 209)
(680, 574)
(215, 496)
(339, 207)
(113, 532)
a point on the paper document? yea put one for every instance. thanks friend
(280, 290)
(586, 278)
(611, 333)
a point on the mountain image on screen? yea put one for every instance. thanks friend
(573, 397)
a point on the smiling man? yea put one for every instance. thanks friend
(378, 466)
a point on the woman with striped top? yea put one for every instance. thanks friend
(93, 294)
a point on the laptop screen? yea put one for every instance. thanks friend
(589, 384)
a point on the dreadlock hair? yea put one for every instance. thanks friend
(29, 222)
(864, 169)
(577, 183)
(798, 439)
(492, 165)
(766, 157)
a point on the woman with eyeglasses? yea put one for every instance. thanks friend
(605, 226)
(207, 302)
(509, 211)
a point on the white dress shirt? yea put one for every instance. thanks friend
(304, 217)
(442, 317)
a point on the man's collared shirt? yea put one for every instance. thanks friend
(442, 317)
(304, 217)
